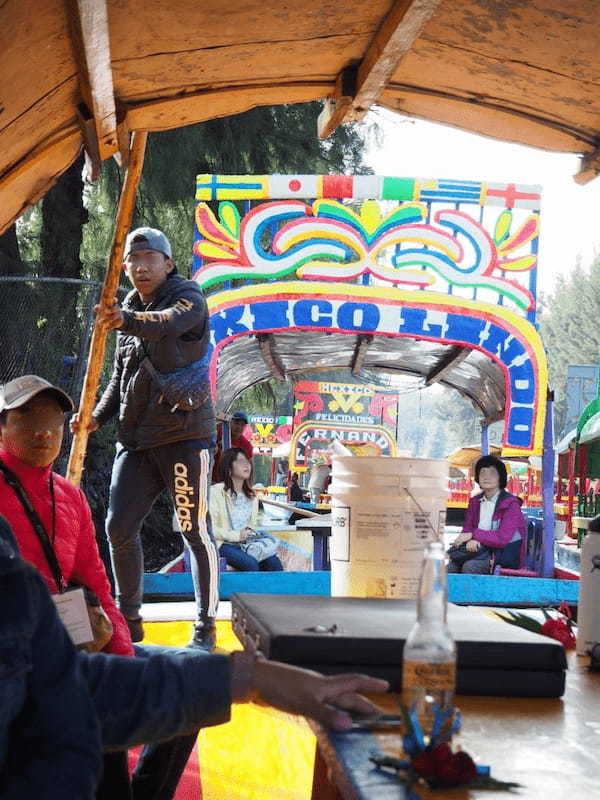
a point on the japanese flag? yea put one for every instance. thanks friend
(285, 186)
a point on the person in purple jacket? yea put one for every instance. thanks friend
(494, 532)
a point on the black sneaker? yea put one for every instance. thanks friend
(136, 629)
(204, 636)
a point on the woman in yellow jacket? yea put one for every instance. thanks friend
(234, 513)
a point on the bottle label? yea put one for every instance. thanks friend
(431, 676)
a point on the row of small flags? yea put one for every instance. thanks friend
(365, 187)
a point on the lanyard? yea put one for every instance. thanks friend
(38, 526)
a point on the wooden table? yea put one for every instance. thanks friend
(321, 531)
(550, 747)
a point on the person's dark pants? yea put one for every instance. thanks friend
(160, 768)
(238, 559)
(138, 478)
(161, 765)
(478, 565)
(114, 783)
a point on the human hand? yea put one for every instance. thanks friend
(461, 539)
(245, 533)
(75, 426)
(109, 315)
(320, 697)
(473, 546)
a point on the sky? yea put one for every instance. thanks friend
(570, 214)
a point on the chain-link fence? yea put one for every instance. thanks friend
(45, 329)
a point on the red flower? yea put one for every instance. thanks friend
(423, 764)
(559, 630)
(565, 609)
(442, 767)
(458, 770)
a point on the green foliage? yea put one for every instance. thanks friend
(569, 328)
(29, 227)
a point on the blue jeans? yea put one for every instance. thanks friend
(236, 558)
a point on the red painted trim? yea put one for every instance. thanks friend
(565, 574)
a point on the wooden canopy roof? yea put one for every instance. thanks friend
(89, 72)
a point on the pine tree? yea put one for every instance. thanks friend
(569, 328)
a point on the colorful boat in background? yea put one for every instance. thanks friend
(389, 277)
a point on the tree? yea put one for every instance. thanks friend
(569, 328)
(63, 218)
(10, 257)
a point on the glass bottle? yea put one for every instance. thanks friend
(429, 662)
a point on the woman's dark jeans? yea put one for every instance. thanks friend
(238, 559)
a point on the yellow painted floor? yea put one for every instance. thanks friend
(261, 753)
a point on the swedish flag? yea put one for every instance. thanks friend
(231, 187)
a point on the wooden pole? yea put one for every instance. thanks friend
(109, 291)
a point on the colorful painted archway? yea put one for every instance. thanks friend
(508, 340)
(463, 253)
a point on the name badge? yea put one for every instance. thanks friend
(72, 610)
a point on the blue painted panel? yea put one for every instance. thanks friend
(500, 590)
(471, 589)
(253, 582)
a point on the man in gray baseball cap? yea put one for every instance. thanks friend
(148, 239)
(162, 330)
(19, 391)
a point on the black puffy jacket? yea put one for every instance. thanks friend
(173, 331)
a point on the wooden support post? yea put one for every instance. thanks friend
(363, 342)
(91, 46)
(109, 290)
(589, 168)
(266, 343)
(337, 108)
(453, 358)
(398, 32)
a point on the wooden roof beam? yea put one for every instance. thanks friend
(266, 343)
(589, 168)
(392, 42)
(453, 357)
(363, 340)
(97, 112)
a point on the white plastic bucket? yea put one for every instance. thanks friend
(384, 511)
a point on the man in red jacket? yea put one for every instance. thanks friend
(32, 418)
